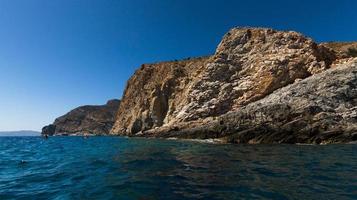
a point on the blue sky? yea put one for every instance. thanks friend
(58, 54)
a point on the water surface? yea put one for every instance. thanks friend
(123, 168)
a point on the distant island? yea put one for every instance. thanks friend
(260, 86)
(19, 133)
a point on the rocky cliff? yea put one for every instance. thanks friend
(155, 93)
(319, 109)
(249, 64)
(85, 119)
(199, 98)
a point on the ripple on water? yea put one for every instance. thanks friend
(123, 168)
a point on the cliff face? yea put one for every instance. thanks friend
(85, 119)
(249, 64)
(319, 109)
(155, 93)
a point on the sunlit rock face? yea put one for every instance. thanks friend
(319, 109)
(249, 64)
(155, 93)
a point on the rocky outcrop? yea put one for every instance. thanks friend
(85, 119)
(49, 130)
(155, 93)
(319, 109)
(248, 65)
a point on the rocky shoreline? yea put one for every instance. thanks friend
(260, 86)
(314, 110)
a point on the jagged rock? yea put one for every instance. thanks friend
(85, 119)
(155, 93)
(249, 64)
(319, 109)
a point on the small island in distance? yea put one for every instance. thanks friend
(22, 133)
(260, 86)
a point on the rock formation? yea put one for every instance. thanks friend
(155, 93)
(319, 109)
(249, 64)
(85, 119)
(260, 86)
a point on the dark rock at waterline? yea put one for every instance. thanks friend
(49, 130)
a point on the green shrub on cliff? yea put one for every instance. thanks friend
(352, 52)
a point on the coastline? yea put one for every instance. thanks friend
(260, 86)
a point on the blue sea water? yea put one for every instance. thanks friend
(131, 168)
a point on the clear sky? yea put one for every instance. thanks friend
(58, 54)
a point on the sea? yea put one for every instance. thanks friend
(141, 168)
